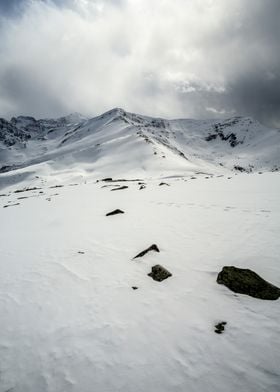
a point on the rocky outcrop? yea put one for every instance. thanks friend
(159, 273)
(153, 247)
(115, 212)
(245, 281)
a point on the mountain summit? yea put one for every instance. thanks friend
(122, 143)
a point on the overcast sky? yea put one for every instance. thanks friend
(170, 58)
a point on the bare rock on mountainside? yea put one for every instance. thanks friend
(27, 189)
(107, 179)
(220, 327)
(159, 273)
(120, 188)
(11, 205)
(245, 281)
(153, 247)
(115, 212)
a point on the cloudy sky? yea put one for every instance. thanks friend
(170, 58)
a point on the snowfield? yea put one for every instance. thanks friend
(70, 319)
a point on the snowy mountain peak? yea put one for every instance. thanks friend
(127, 143)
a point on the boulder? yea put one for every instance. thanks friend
(159, 273)
(120, 188)
(153, 247)
(245, 281)
(115, 212)
(220, 327)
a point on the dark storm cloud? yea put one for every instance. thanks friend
(195, 58)
(255, 90)
(10, 7)
(26, 91)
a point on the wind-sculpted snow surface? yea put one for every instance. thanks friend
(119, 143)
(78, 311)
(79, 314)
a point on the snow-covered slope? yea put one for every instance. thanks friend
(78, 312)
(70, 320)
(140, 145)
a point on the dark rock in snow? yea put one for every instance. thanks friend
(159, 273)
(115, 212)
(220, 327)
(27, 190)
(11, 205)
(107, 179)
(134, 288)
(120, 188)
(239, 168)
(163, 183)
(142, 187)
(81, 252)
(245, 281)
(152, 247)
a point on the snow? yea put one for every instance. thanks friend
(148, 147)
(71, 321)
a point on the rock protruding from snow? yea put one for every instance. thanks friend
(120, 188)
(220, 327)
(245, 281)
(153, 247)
(159, 273)
(115, 212)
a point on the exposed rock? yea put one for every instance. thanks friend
(220, 327)
(159, 273)
(245, 281)
(239, 168)
(81, 252)
(134, 288)
(120, 188)
(152, 247)
(163, 183)
(115, 212)
(11, 205)
(142, 187)
(57, 186)
(109, 179)
(27, 190)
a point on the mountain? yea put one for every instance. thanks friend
(121, 143)
(94, 213)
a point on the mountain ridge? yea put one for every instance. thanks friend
(120, 142)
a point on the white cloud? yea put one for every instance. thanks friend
(169, 57)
